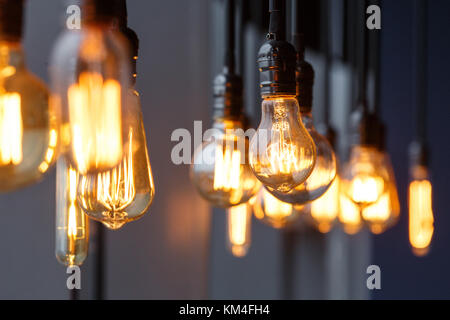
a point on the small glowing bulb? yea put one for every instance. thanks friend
(282, 153)
(349, 215)
(272, 211)
(220, 169)
(239, 219)
(72, 225)
(421, 220)
(385, 211)
(365, 177)
(325, 210)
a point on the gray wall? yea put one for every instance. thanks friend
(165, 254)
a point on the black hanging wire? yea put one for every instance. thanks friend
(375, 50)
(362, 57)
(277, 25)
(420, 68)
(230, 58)
(325, 45)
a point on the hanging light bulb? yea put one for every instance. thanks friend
(72, 225)
(90, 77)
(324, 170)
(282, 153)
(28, 136)
(274, 212)
(239, 224)
(220, 169)
(385, 212)
(124, 193)
(421, 218)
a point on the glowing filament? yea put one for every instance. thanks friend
(421, 219)
(11, 129)
(115, 188)
(238, 224)
(227, 170)
(325, 209)
(349, 215)
(378, 213)
(95, 119)
(275, 208)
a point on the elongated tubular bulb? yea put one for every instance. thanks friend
(365, 177)
(72, 225)
(421, 219)
(220, 169)
(28, 135)
(282, 153)
(322, 175)
(384, 213)
(124, 193)
(90, 75)
(274, 212)
(239, 224)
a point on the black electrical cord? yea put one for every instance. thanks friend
(277, 26)
(420, 67)
(325, 44)
(363, 51)
(230, 59)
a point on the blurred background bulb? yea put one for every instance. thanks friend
(282, 153)
(365, 177)
(274, 212)
(239, 224)
(322, 175)
(220, 169)
(323, 212)
(385, 212)
(349, 215)
(421, 220)
(124, 193)
(28, 136)
(72, 225)
(90, 71)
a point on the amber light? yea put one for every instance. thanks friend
(421, 221)
(11, 129)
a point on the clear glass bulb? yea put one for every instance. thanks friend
(274, 212)
(220, 169)
(385, 212)
(28, 135)
(90, 73)
(323, 212)
(72, 225)
(282, 153)
(421, 219)
(322, 175)
(365, 177)
(124, 193)
(239, 225)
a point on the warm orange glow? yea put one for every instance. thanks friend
(326, 209)
(378, 214)
(116, 188)
(239, 219)
(51, 151)
(349, 215)
(274, 208)
(72, 218)
(366, 189)
(95, 120)
(11, 129)
(421, 219)
(227, 170)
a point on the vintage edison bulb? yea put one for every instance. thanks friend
(72, 225)
(385, 212)
(365, 177)
(124, 193)
(282, 153)
(421, 220)
(220, 169)
(323, 212)
(274, 212)
(90, 71)
(239, 224)
(322, 175)
(28, 135)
